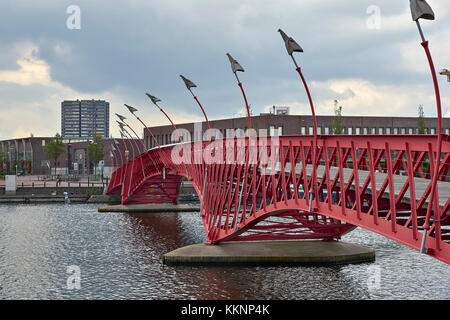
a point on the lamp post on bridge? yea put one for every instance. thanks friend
(155, 101)
(420, 9)
(114, 158)
(122, 118)
(133, 110)
(126, 152)
(291, 47)
(137, 136)
(115, 147)
(125, 134)
(235, 67)
(189, 84)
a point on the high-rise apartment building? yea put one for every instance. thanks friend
(81, 119)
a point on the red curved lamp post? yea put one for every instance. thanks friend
(291, 47)
(420, 9)
(235, 67)
(189, 84)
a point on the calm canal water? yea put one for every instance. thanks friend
(119, 257)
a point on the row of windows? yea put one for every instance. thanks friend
(365, 130)
(278, 130)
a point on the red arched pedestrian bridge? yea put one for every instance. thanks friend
(270, 188)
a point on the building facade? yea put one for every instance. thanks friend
(81, 119)
(27, 156)
(285, 124)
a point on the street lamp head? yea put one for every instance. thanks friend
(291, 45)
(235, 66)
(153, 98)
(420, 9)
(121, 125)
(122, 118)
(189, 84)
(130, 108)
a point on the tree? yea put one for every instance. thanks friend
(3, 157)
(96, 151)
(421, 121)
(55, 149)
(337, 121)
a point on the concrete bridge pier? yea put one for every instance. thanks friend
(298, 252)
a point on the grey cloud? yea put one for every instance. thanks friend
(139, 46)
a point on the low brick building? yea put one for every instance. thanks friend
(29, 156)
(284, 124)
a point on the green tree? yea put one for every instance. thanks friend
(55, 149)
(337, 121)
(421, 121)
(96, 151)
(3, 156)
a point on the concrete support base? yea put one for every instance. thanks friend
(305, 252)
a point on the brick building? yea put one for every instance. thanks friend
(285, 124)
(29, 156)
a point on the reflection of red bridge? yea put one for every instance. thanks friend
(380, 183)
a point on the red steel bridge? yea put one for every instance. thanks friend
(304, 187)
(253, 188)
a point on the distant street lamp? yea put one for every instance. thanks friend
(420, 9)
(235, 67)
(124, 139)
(133, 110)
(189, 84)
(122, 118)
(155, 101)
(124, 132)
(115, 147)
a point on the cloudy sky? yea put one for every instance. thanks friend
(373, 64)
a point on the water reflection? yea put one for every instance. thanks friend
(119, 256)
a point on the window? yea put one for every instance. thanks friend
(327, 130)
(372, 131)
(43, 143)
(380, 130)
(410, 131)
(319, 130)
(365, 130)
(388, 130)
(350, 130)
(403, 130)
(280, 131)
(311, 130)
(447, 131)
(395, 130)
(303, 130)
(357, 130)
(433, 131)
(271, 130)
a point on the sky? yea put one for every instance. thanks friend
(365, 54)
